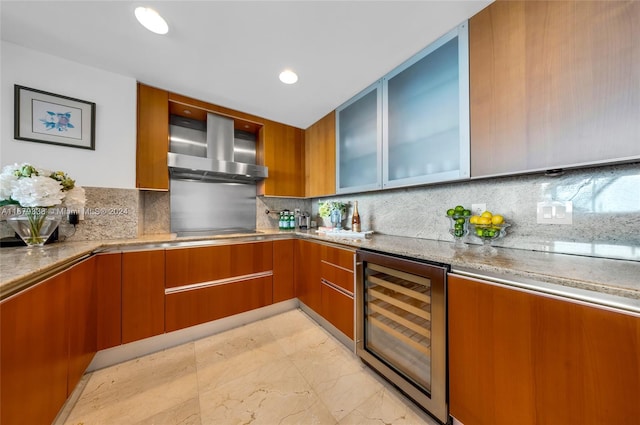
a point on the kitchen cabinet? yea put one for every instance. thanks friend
(320, 157)
(307, 274)
(522, 357)
(283, 283)
(109, 306)
(359, 142)
(336, 290)
(153, 139)
(83, 299)
(211, 282)
(553, 85)
(281, 148)
(143, 275)
(426, 114)
(412, 126)
(324, 277)
(48, 339)
(34, 352)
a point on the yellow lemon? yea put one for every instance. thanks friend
(497, 219)
(484, 220)
(473, 219)
(486, 214)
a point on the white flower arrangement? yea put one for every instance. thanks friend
(31, 187)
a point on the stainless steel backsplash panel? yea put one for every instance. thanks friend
(200, 206)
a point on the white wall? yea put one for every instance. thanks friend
(112, 164)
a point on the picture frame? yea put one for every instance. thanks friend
(51, 118)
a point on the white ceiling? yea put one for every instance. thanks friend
(231, 52)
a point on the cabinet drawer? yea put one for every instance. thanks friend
(338, 309)
(337, 275)
(192, 307)
(186, 266)
(340, 257)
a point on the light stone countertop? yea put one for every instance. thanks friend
(602, 277)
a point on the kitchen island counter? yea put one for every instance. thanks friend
(614, 281)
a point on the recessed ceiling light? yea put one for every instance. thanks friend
(151, 20)
(288, 76)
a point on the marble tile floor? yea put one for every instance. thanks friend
(285, 369)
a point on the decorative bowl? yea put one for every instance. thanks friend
(459, 228)
(487, 233)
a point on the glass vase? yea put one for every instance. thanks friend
(336, 219)
(35, 225)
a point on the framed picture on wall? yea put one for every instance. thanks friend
(51, 118)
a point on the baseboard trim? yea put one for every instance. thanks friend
(132, 350)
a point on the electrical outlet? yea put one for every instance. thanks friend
(554, 212)
(477, 209)
(296, 211)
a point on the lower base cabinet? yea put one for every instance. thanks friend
(48, 340)
(306, 265)
(324, 277)
(83, 339)
(517, 357)
(142, 294)
(195, 306)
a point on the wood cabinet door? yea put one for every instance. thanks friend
(142, 294)
(553, 84)
(34, 352)
(281, 148)
(307, 274)
(153, 139)
(283, 287)
(83, 340)
(526, 358)
(320, 157)
(195, 306)
(109, 306)
(338, 308)
(187, 266)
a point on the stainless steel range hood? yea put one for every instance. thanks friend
(212, 154)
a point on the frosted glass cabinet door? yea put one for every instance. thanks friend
(359, 142)
(426, 114)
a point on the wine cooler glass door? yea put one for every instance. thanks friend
(401, 326)
(398, 328)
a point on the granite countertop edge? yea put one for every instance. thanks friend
(22, 267)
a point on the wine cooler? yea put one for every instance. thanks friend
(401, 325)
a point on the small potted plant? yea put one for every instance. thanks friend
(333, 210)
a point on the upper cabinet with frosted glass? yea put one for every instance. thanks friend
(422, 126)
(359, 142)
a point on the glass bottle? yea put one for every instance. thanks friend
(355, 219)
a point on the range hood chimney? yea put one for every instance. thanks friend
(210, 156)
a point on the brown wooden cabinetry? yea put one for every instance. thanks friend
(281, 148)
(337, 278)
(517, 357)
(83, 342)
(553, 84)
(34, 352)
(109, 308)
(211, 282)
(324, 278)
(320, 157)
(153, 139)
(48, 339)
(283, 287)
(307, 274)
(142, 294)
